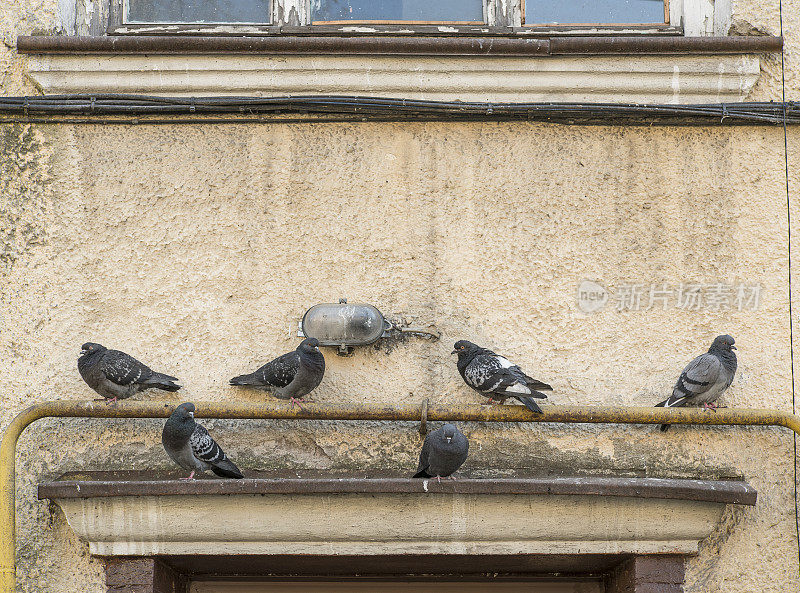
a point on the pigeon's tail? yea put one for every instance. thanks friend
(530, 403)
(421, 474)
(161, 381)
(226, 469)
(534, 384)
(670, 402)
(250, 379)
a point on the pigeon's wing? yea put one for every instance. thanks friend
(483, 372)
(123, 369)
(424, 460)
(491, 373)
(697, 378)
(206, 449)
(281, 371)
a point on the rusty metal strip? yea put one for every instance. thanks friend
(371, 45)
(296, 45)
(719, 491)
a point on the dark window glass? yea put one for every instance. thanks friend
(198, 11)
(546, 12)
(397, 10)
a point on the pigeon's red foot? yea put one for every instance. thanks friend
(451, 478)
(190, 477)
(296, 402)
(712, 406)
(113, 400)
(439, 479)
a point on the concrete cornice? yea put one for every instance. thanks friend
(397, 516)
(707, 78)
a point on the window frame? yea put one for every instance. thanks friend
(501, 17)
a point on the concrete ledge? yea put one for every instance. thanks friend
(721, 491)
(654, 79)
(396, 516)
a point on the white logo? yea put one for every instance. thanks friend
(592, 296)
(716, 296)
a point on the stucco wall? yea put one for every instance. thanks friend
(197, 248)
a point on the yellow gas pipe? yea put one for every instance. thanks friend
(312, 411)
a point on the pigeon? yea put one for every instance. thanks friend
(190, 446)
(443, 452)
(497, 377)
(116, 375)
(705, 378)
(290, 376)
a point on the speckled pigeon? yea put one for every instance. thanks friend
(190, 446)
(705, 378)
(443, 452)
(290, 376)
(496, 377)
(116, 375)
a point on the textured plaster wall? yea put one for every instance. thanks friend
(196, 249)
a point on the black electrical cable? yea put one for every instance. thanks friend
(789, 240)
(388, 109)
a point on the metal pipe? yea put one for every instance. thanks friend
(313, 411)
(394, 45)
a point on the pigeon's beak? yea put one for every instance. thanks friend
(454, 352)
(733, 347)
(449, 439)
(191, 414)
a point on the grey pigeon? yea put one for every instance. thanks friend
(190, 446)
(290, 376)
(443, 452)
(116, 375)
(705, 378)
(496, 377)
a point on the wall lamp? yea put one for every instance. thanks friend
(344, 326)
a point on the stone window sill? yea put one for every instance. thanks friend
(643, 69)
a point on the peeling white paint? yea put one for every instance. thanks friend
(676, 84)
(359, 30)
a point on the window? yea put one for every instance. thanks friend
(397, 11)
(198, 11)
(547, 12)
